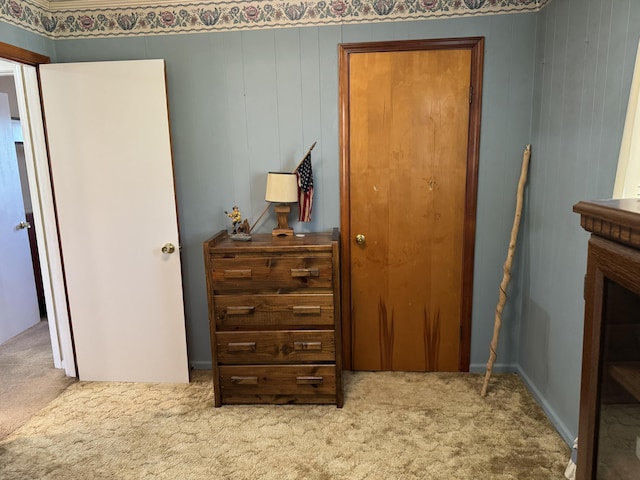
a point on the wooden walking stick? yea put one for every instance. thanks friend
(507, 268)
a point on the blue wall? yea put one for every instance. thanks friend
(244, 103)
(584, 61)
(27, 40)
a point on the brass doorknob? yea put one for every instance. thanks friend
(168, 248)
(360, 239)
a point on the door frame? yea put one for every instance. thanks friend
(43, 202)
(345, 50)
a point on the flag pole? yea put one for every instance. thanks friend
(261, 215)
(305, 156)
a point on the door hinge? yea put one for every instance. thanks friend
(470, 94)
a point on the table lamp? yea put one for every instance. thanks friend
(282, 188)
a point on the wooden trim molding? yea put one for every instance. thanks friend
(476, 46)
(17, 54)
(617, 220)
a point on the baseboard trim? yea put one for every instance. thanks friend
(559, 425)
(200, 365)
(497, 368)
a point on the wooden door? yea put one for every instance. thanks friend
(18, 300)
(409, 135)
(111, 165)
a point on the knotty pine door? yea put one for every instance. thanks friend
(409, 133)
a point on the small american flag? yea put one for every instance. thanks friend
(305, 189)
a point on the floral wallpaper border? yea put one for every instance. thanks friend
(211, 16)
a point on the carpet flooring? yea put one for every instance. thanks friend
(393, 426)
(28, 379)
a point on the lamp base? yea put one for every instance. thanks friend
(281, 232)
(283, 229)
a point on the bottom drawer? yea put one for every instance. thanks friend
(278, 384)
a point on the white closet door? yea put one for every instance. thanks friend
(110, 152)
(18, 299)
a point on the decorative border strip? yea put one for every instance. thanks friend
(211, 16)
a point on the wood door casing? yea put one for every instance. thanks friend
(409, 154)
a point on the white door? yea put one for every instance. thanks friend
(18, 298)
(111, 165)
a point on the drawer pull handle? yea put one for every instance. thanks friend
(240, 310)
(246, 273)
(237, 380)
(309, 380)
(304, 272)
(306, 310)
(241, 346)
(307, 345)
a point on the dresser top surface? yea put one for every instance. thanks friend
(623, 212)
(268, 242)
(617, 220)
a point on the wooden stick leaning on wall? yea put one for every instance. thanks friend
(268, 204)
(507, 268)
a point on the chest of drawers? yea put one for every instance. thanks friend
(274, 318)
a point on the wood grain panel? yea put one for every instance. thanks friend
(277, 384)
(271, 273)
(243, 311)
(17, 54)
(314, 346)
(408, 123)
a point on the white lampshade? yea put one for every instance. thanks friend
(282, 187)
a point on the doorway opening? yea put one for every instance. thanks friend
(23, 65)
(7, 86)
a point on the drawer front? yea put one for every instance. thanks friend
(278, 384)
(279, 274)
(312, 346)
(243, 311)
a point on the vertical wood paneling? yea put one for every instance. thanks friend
(261, 104)
(310, 72)
(328, 39)
(242, 110)
(290, 82)
(235, 153)
(615, 102)
(582, 83)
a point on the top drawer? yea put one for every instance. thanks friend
(272, 273)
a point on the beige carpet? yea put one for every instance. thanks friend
(392, 426)
(28, 380)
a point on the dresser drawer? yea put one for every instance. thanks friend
(313, 346)
(278, 384)
(274, 273)
(262, 311)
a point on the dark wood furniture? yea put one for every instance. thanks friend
(609, 425)
(274, 317)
